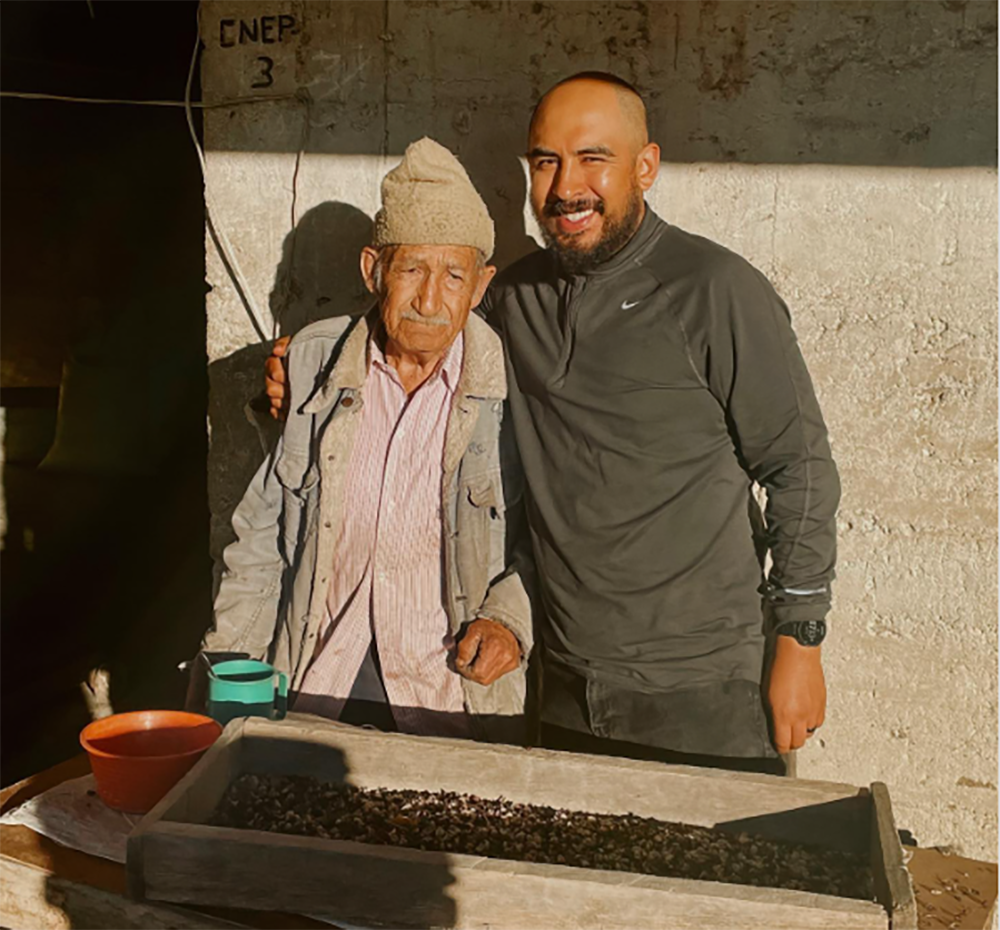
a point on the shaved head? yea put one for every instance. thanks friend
(629, 103)
(591, 162)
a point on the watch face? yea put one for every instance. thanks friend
(811, 632)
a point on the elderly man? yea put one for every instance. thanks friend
(653, 377)
(370, 562)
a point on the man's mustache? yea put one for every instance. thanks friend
(565, 207)
(415, 317)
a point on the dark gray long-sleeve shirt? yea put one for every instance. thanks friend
(646, 396)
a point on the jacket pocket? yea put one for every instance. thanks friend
(481, 536)
(482, 493)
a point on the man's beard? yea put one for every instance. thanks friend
(616, 234)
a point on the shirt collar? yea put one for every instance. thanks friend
(449, 367)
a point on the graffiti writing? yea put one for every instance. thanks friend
(263, 30)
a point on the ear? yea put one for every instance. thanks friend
(369, 256)
(485, 276)
(647, 164)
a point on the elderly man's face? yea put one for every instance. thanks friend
(425, 293)
(589, 166)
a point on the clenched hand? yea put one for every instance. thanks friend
(275, 379)
(487, 651)
(796, 693)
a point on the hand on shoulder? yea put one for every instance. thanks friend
(276, 378)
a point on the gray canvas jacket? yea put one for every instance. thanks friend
(272, 599)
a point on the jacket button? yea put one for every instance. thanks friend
(347, 402)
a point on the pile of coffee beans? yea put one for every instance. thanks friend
(459, 823)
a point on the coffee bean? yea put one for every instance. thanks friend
(449, 822)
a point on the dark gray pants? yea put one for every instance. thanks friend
(716, 725)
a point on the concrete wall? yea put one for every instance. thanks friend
(847, 149)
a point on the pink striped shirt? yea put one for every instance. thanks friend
(387, 577)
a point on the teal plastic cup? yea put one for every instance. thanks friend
(246, 688)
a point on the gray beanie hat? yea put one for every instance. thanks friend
(429, 199)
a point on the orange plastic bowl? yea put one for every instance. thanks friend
(137, 758)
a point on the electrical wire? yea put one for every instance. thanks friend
(284, 294)
(218, 234)
(196, 104)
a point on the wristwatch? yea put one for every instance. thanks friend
(806, 632)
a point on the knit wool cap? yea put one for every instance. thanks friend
(428, 199)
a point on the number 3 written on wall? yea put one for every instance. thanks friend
(265, 79)
(263, 30)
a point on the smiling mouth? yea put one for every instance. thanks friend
(575, 222)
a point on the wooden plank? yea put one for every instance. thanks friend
(968, 888)
(192, 799)
(32, 897)
(769, 805)
(383, 886)
(893, 889)
(189, 862)
(25, 894)
(92, 886)
(212, 774)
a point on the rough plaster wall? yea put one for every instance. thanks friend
(891, 278)
(846, 149)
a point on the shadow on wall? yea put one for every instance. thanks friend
(503, 186)
(318, 277)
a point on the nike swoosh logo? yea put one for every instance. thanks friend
(628, 306)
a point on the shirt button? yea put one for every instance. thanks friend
(347, 402)
(328, 524)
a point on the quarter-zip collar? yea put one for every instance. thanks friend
(571, 289)
(630, 254)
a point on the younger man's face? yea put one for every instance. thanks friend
(589, 170)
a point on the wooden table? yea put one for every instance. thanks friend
(43, 884)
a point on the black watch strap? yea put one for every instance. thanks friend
(805, 632)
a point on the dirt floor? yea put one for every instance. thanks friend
(953, 893)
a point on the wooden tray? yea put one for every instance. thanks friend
(174, 856)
